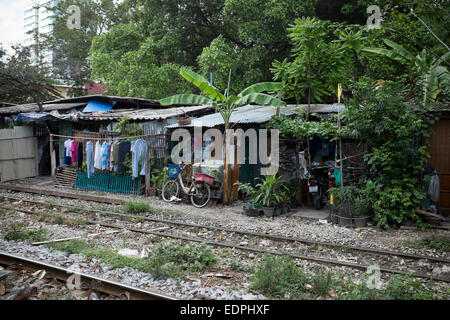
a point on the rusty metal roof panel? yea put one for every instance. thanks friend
(33, 107)
(146, 114)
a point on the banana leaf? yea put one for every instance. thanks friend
(261, 87)
(259, 98)
(185, 99)
(203, 84)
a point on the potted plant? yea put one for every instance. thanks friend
(360, 212)
(270, 193)
(343, 198)
(252, 209)
(158, 179)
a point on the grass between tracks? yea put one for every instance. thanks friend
(280, 278)
(168, 260)
(18, 232)
(436, 242)
(141, 207)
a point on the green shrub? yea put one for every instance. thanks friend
(399, 287)
(441, 243)
(167, 260)
(279, 277)
(196, 257)
(321, 282)
(136, 207)
(16, 231)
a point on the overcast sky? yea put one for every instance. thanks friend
(11, 21)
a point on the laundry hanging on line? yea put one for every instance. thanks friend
(108, 156)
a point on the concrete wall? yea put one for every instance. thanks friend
(18, 150)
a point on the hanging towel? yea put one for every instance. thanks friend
(105, 147)
(67, 146)
(98, 156)
(139, 149)
(90, 158)
(74, 151)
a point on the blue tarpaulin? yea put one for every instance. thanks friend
(99, 105)
(37, 116)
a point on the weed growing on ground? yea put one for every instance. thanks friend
(139, 220)
(398, 287)
(136, 207)
(73, 209)
(58, 219)
(441, 243)
(51, 202)
(321, 282)
(167, 260)
(2, 198)
(80, 221)
(170, 212)
(197, 257)
(278, 277)
(17, 231)
(238, 266)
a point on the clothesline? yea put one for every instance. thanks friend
(100, 138)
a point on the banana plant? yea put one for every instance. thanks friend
(225, 104)
(433, 75)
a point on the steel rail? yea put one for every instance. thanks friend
(61, 194)
(101, 284)
(275, 237)
(362, 267)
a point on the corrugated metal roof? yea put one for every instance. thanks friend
(33, 107)
(145, 114)
(257, 114)
(135, 101)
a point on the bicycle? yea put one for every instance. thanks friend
(199, 192)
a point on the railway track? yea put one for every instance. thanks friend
(106, 286)
(307, 253)
(275, 237)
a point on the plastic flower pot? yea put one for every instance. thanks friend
(268, 211)
(334, 218)
(277, 211)
(344, 221)
(361, 221)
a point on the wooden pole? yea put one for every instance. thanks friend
(147, 170)
(52, 157)
(340, 139)
(340, 150)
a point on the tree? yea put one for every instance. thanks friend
(128, 64)
(214, 35)
(23, 78)
(224, 104)
(396, 133)
(430, 73)
(320, 61)
(70, 47)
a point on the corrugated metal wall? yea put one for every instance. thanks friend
(18, 150)
(440, 160)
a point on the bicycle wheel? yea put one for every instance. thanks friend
(201, 196)
(170, 189)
